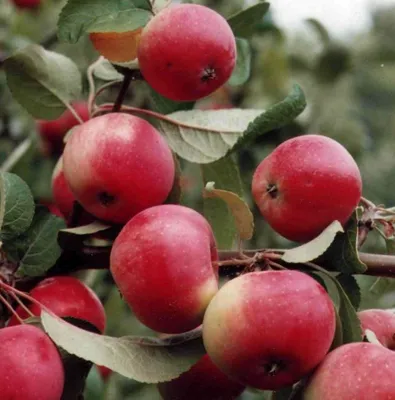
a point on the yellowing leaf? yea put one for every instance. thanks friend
(243, 216)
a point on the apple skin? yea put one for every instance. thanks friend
(53, 131)
(168, 62)
(117, 46)
(31, 367)
(66, 297)
(162, 263)
(118, 165)
(104, 372)
(62, 194)
(263, 321)
(203, 381)
(305, 184)
(362, 371)
(27, 3)
(382, 323)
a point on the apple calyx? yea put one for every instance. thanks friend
(272, 190)
(106, 199)
(273, 368)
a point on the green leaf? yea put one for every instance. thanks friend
(275, 117)
(16, 206)
(282, 394)
(163, 105)
(242, 70)
(105, 71)
(351, 326)
(342, 255)
(175, 194)
(81, 16)
(351, 287)
(85, 230)
(243, 23)
(37, 249)
(313, 249)
(42, 81)
(148, 360)
(242, 214)
(226, 175)
(376, 292)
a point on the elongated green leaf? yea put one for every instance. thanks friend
(351, 287)
(16, 206)
(81, 16)
(226, 175)
(37, 249)
(243, 24)
(163, 105)
(242, 70)
(42, 81)
(313, 249)
(147, 360)
(275, 117)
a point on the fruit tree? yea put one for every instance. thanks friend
(190, 208)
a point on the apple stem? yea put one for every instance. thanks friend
(10, 309)
(17, 299)
(128, 76)
(273, 369)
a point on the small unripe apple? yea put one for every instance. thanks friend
(305, 184)
(27, 3)
(269, 329)
(62, 194)
(53, 131)
(66, 297)
(117, 46)
(117, 165)
(186, 52)
(203, 381)
(162, 263)
(30, 367)
(355, 371)
(382, 323)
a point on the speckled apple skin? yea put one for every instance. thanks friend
(162, 263)
(117, 165)
(179, 45)
(317, 182)
(30, 367)
(265, 318)
(355, 371)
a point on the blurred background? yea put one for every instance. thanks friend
(342, 53)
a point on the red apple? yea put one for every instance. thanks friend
(203, 381)
(53, 131)
(52, 208)
(186, 52)
(305, 184)
(117, 165)
(269, 329)
(382, 323)
(162, 263)
(30, 367)
(66, 297)
(61, 191)
(355, 371)
(27, 3)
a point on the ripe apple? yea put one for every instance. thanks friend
(52, 208)
(186, 52)
(117, 165)
(269, 329)
(382, 323)
(62, 194)
(203, 381)
(27, 3)
(305, 184)
(30, 367)
(66, 297)
(162, 263)
(53, 131)
(362, 371)
(117, 46)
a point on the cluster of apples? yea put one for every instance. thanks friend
(40, 374)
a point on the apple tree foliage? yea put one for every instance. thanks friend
(47, 62)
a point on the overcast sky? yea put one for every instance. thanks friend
(341, 17)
